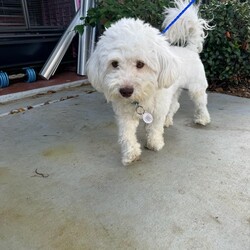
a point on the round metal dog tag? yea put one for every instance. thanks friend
(147, 117)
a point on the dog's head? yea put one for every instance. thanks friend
(131, 61)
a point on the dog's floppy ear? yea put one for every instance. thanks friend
(94, 71)
(168, 68)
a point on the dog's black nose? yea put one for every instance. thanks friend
(126, 92)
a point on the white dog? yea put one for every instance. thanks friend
(142, 73)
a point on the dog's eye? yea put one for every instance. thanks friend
(139, 64)
(115, 64)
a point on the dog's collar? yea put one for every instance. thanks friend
(146, 117)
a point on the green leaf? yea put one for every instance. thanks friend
(79, 28)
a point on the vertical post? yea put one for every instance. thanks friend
(77, 4)
(84, 40)
(92, 35)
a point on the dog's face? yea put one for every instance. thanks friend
(127, 74)
(130, 62)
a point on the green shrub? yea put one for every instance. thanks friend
(226, 55)
(109, 11)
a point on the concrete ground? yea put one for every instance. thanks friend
(194, 194)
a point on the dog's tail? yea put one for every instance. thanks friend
(189, 30)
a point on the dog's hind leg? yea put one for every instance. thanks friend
(199, 97)
(175, 105)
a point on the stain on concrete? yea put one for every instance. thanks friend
(177, 230)
(215, 219)
(248, 220)
(9, 215)
(181, 191)
(3, 172)
(79, 234)
(198, 243)
(58, 151)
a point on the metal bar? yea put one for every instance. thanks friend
(92, 35)
(84, 40)
(92, 41)
(76, 2)
(59, 51)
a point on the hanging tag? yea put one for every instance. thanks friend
(147, 117)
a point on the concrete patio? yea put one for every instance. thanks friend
(63, 186)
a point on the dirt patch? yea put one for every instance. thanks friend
(235, 90)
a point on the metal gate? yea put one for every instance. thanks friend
(29, 30)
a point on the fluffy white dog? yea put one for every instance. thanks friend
(142, 73)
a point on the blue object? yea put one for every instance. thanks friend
(4, 79)
(181, 13)
(30, 74)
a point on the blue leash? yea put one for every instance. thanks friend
(191, 2)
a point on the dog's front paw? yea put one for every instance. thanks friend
(131, 155)
(155, 143)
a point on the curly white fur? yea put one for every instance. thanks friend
(132, 63)
(189, 29)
